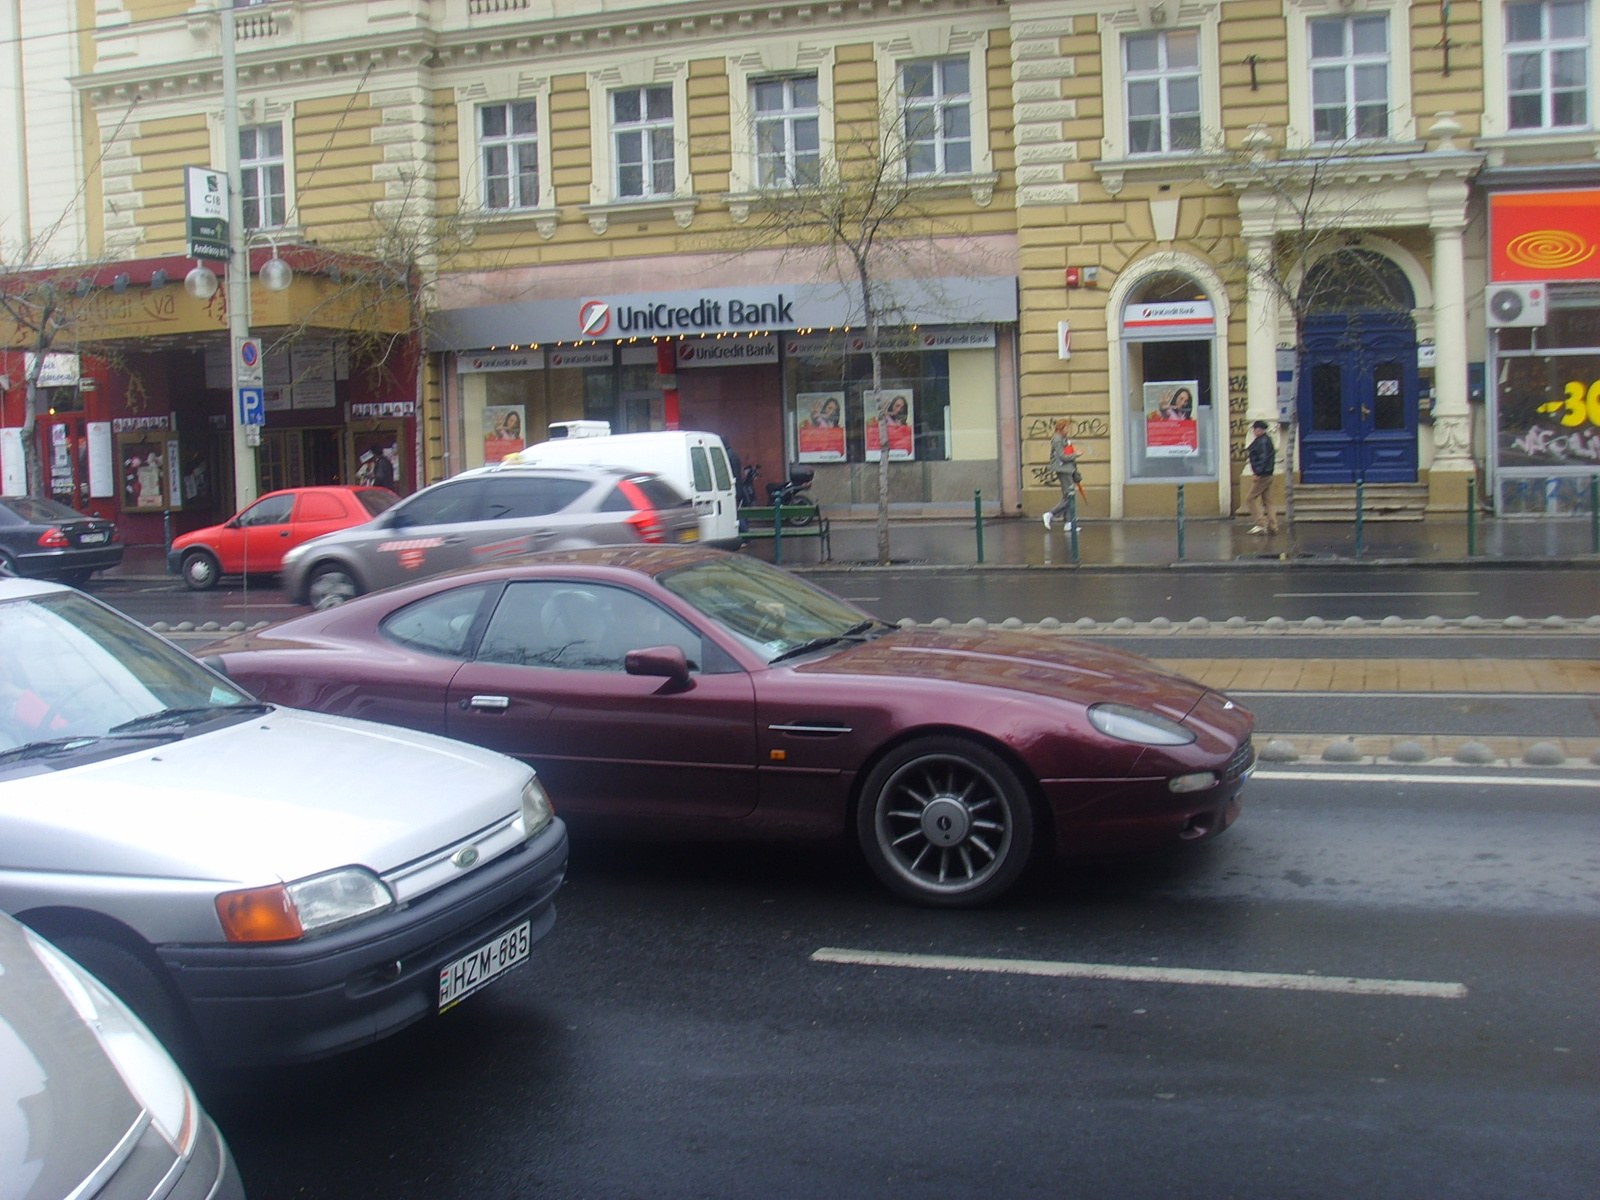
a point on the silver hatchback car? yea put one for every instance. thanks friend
(483, 516)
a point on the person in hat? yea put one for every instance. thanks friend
(1263, 460)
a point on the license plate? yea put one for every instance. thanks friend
(93, 539)
(688, 535)
(467, 974)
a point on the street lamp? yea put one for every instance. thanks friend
(201, 283)
(276, 275)
(245, 437)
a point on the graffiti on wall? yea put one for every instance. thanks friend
(1091, 435)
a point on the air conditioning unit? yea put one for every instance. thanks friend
(1517, 305)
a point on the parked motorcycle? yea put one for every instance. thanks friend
(792, 494)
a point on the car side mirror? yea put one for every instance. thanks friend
(232, 523)
(216, 663)
(667, 662)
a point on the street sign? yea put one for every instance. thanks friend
(247, 359)
(205, 198)
(252, 406)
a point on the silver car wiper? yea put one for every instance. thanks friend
(185, 716)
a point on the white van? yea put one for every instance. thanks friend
(694, 462)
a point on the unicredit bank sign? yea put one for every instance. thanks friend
(627, 316)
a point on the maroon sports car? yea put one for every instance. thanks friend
(682, 689)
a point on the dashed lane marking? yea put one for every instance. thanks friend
(1346, 985)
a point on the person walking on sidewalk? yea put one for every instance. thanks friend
(1064, 462)
(1263, 459)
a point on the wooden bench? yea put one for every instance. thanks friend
(756, 524)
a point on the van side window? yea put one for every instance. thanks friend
(719, 464)
(701, 469)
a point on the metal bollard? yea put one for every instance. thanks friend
(777, 530)
(1472, 518)
(977, 518)
(1361, 513)
(166, 536)
(1180, 522)
(1072, 523)
(1594, 514)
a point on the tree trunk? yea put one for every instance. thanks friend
(33, 469)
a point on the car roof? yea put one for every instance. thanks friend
(646, 560)
(558, 470)
(12, 588)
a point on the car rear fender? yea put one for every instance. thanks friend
(1043, 822)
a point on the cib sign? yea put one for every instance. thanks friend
(205, 194)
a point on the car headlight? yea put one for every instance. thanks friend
(536, 809)
(147, 1069)
(286, 911)
(1129, 724)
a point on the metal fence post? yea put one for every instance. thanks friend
(977, 517)
(1180, 522)
(1072, 523)
(1472, 518)
(1594, 514)
(1361, 513)
(777, 529)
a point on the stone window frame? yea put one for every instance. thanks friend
(604, 203)
(1301, 132)
(261, 110)
(503, 87)
(509, 141)
(1496, 95)
(645, 126)
(260, 167)
(1206, 18)
(789, 57)
(947, 41)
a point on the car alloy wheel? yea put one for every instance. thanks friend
(330, 587)
(946, 822)
(200, 571)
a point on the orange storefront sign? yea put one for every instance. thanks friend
(1544, 235)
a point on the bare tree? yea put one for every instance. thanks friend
(851, 219)
(1312, 205)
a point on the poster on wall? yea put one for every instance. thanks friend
(312, 365)
(142, 458)
(1170, 427)
(502, 430)
(377, 459)
(819, 427)
(897, 402)
(102, 475)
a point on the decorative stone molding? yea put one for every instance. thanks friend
(680, 208)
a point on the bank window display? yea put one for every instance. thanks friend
(511, 403)
(1546, 407)
(1169, 334)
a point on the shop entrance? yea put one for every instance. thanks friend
(300, 458)
(1358, 374)
(65, 452)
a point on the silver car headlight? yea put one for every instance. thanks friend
(147, 1069)
(1129, 724)
(283, 912)
(536, 811)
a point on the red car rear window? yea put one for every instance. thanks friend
(319, 506)
(377, 500)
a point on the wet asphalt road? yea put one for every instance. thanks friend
(673, 1038)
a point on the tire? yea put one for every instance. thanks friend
(141, 987)
(805, 518)
(8, 563)
(201, 570)
(945, 806)
(330, 585)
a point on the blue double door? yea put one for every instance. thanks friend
(1358, 399)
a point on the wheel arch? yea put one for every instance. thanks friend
(330, 558)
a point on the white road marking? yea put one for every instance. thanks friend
(1346, 595)
(1148, 975)
(1340, 984)
(1403, 777)
(858, 598)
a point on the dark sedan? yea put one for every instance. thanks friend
(685, 690)
(45, 540)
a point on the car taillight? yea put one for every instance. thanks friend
(645, 519)
(53, 539)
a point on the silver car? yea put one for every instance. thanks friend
(259, 884)
(90, 1104)
(483, 516)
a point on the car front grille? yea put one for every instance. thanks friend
(1241, 761)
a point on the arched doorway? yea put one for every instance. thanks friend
(1358, 372)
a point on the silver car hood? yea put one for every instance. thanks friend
(276, 797)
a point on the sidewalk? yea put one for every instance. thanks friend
(1019, 542)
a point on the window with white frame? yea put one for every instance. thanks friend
(937, 98)
(261, 176)
(641, 132)
(1547, 57)
(508, 140)
(786, 131)
(1350, 78)
(1161, 71)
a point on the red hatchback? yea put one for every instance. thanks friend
(255, 540)
(662, 689)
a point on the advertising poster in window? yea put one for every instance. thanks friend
(1171, 429)
(143, 459)
(819, 426)
(502, 430)
(897, 402)
(1549, 411)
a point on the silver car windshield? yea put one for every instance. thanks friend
(70, 668)
(770, 611)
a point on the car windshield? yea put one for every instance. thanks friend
(770, 611)
(71, 668)
(41, 512)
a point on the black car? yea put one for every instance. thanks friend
(45, 540)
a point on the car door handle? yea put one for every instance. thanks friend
(455, 540)
(811, 729)
(487, 703)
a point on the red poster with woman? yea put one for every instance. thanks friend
(897, 407)
(819, 428)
